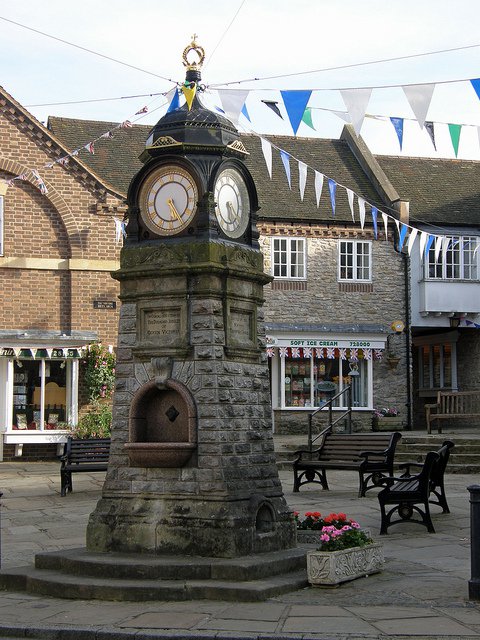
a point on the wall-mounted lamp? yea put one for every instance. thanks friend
(19, 364)
(354, 372)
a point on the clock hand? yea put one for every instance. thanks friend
(173, 210)
(231, 211)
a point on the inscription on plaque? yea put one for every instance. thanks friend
(162, 324)
(241, 327)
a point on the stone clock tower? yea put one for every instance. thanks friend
(192, 468)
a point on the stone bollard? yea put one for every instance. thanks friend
(474, 582)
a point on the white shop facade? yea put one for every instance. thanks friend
(310, 365)
(39, 378)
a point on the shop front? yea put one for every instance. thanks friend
(308, 368)
(38, 388)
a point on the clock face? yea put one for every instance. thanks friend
(232, 203)
(168, 200)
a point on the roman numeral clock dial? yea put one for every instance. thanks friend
(168, 200)
(232, 203)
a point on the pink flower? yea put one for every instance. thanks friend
(354, 525)
(325, 537)
(346, 528)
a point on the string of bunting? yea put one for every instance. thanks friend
(296, 105)
(329, 353)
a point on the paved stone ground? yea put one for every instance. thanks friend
(422, 593)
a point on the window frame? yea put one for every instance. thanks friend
(355, 266)
(454, 259)
(288, 263)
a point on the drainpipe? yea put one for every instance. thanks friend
(402, 206)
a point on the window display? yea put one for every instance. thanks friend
(39, 394)
(312, 377)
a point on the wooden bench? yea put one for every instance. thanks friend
(407, 492)
(82, 455)
(370, 454)
(453, 404)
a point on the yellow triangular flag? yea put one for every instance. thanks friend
(189, 92)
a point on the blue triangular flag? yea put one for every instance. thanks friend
(398, 126)
(332, 186)
(403, 234)
(476, 86)
(374, 218)
(286, 163)
(245, 113)
(175, 103)
(428, 244)
(295, 103)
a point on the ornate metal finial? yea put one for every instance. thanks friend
(193, 65)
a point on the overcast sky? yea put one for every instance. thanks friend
(251, 39)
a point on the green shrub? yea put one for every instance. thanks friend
(97, 423)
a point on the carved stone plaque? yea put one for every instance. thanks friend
(241, 327)
(162, 326)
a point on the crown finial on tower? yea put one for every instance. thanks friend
(193, 64)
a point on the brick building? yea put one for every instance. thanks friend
(57, 251)
(339, 308)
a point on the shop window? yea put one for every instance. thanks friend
(435, 366)
(288, 258)
(39, 394)
(354, 260)
(313, 381)
(460, 261)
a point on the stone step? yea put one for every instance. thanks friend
(78, 574)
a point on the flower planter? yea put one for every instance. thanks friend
(386, 423)
(312, 536)
(331, 568)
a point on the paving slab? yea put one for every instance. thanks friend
(422, 592)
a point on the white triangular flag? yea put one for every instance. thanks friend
(318, 186)
(385, 224)
(302, 178)
(445, 245)
(411, 239)
(419, 97)
(232, 102)
(343, 115)
(423, 242)
(438, 246)
(267, 154)
(356, 101)
(350, 196)
(361, 211)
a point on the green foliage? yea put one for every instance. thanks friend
(98, 371)
(97, 423)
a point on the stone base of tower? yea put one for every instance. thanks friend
(203, 528)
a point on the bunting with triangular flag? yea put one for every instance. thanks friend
(286, 163)
(233, 101)
(398, 126)
(189, 89)
(332, 187)
(431, 132)
(175, 100)
(295, 104)
(455, 131)
(267, 154)
(273, 106)
(307, 118)
(356, 101)
(318, 186)
(302, 178)
(419, 97)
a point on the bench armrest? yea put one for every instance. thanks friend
(300, 452)
(407, 465)
(432, 406)
(365, 454)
